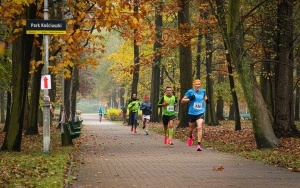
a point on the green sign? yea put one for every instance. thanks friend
(45, 27)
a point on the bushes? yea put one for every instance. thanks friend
(113, 114)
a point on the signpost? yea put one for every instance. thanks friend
(46, 27)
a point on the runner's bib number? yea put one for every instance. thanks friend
(197, 106)
(170, 108)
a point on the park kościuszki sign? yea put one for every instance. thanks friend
(45, 27)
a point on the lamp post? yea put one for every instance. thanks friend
(46, 111)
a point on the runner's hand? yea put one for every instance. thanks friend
(192, 97)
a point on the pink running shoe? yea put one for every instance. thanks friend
(199, 147)
(166, 140)
(190, 141)
(170, 142)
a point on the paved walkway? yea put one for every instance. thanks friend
(111, 156)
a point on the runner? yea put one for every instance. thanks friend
(133, 107)
(146, 108)
(100, 112)
(168, 103)
(196, 98)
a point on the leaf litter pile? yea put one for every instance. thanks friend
(224, 138)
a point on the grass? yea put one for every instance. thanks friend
(32, 167)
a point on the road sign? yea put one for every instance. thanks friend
(45, 26)
(46, 82)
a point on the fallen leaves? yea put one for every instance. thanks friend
(221, 168)
(225, 138)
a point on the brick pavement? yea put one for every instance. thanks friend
(111, 156)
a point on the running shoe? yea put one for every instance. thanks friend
(134, 130)
(131, 129)
(199, 147)
(147, 133)
(166, 140)
(190, 141)
(170, 142)
(144, 126)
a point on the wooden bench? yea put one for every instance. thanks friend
(69, 132)
(75, 126)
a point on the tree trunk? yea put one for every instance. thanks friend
(234, 112)
(231, 112)
(155, 80)
(297, 98)
(121, 95)
(220, 108)
(199, 49)
(284, 124)
(21, 55)
(268, 33)
(74, 89)
(8, 110)
(185, 60)
(211, 118)
(67, 105)
(32, 128)
(2, 106)
(136, 51)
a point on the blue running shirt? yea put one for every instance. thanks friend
(196, 106)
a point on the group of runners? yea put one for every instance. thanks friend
(196, 99)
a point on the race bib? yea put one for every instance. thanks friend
(197, 106)
(170, 108)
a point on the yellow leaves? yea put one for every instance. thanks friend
(51, 58)
(18, 30)
(70, 40)
(135, 21)
(2, 49)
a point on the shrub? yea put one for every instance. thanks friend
(114, 114)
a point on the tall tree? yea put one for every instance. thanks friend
(234, 107)
(32, 128)
(21, 49)
(210, 115)
(136, 67)
(185, 57)
(155, 80)
(284, 123)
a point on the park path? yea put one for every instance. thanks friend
(112, 156)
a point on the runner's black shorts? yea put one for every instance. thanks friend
(194, 118)
(166, 119)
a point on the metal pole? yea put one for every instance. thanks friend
(46, 113)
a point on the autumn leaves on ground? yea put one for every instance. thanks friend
(32, 168)
(224, 138)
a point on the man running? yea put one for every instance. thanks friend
(168, 103)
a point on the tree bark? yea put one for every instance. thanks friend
(155, 79)
(211, 117)
(136, 51)
(21, 59)
(74, 89)
(284, 124)
(2, 106)
(235, 111)
(32, 128)
(185, 60)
